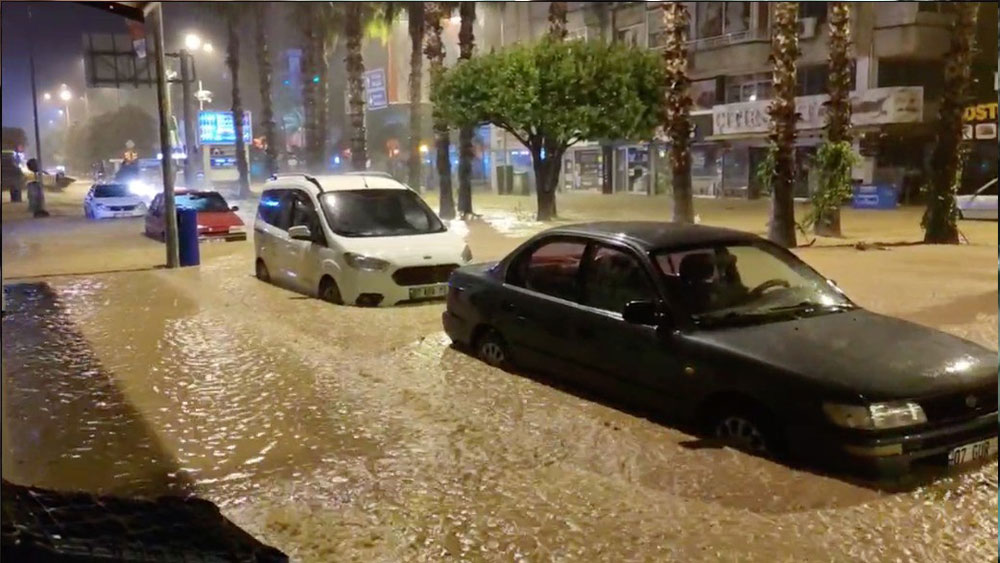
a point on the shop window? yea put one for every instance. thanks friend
(713, 19)
(630, 36)
(748, 88)
(908, 72)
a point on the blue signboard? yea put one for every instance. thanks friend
(875, 197)
(376, 96)
(216, 128)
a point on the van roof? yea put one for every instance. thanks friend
(338, 182)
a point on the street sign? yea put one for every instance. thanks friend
(875, 197)
(118, 60)
(376, 95)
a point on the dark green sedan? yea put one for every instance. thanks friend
(733, 332)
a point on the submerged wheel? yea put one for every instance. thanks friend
(748, 429)
(491, 348)
(329, 292)
(261, 271)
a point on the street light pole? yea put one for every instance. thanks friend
(34, 97)
(163, 105)
(187, 99)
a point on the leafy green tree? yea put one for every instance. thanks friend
(355, 15)
(784, 119)
(552, 94)
(319, 25)
(232, 13)
(940, 218)
(678, 107)
(466, 151)
(835, 158)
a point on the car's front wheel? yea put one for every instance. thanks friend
(329, 291)
(748, 429)
(261, 271)
(491, 348)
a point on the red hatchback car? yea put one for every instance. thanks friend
(216, 220)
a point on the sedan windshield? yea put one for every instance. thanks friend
(203, 202)
(379, 213)
(746, 282)
(112, 190)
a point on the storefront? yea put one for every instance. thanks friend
(583, 168)
(980, 133)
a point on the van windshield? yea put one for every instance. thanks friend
(379, 213)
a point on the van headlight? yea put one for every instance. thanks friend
(877, 416)
(365, 263)
(467, 254)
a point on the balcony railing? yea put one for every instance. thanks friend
(657, 39)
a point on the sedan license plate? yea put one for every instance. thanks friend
(974, 452)
(429, 292)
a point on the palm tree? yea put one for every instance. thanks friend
(557, 20)
(940, 218)
(354, 13)
(416, 27)
(434, 49)
(784, 54)
(678, 108)
(466, 152)
(318, 26)
(261, 10)
(836, 166)
(232, 15)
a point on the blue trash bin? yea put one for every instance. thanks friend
(187, 237)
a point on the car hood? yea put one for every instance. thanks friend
(218, 219)
(118, 201)
(435, 248)
(876, 356)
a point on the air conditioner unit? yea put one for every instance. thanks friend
(807, 28)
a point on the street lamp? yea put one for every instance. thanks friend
(65, 95)
(47, 96)
(192, 42)
(207, 47)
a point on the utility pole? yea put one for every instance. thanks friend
(155, 13)
(190, 140)
(34, 109)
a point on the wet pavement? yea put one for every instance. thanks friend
(345, 434)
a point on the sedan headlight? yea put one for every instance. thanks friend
(467, 254)
(877, 416)
(366, 263)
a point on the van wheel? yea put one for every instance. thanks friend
(261, 270)
(329, 292)
(491, 348)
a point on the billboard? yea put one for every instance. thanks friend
(217, 128)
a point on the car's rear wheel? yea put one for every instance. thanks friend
(746, 428)
(329, 292)
(492, 348)
(261, 270)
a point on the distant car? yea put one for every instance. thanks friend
(107, 201)
(216, 219)
(731, 331)
(354, 239)
(980, 205)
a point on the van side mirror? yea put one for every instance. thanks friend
(300, 232)
(643, 313)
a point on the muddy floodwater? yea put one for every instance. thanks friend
(345, 434)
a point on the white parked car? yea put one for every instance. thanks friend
(980, 205)
(106, 201)
(355, 239)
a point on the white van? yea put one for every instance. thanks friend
(356, 239)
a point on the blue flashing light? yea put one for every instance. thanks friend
(336, 160)
(288, 83)
(316, 79)
(270, 202)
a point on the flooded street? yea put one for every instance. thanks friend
(348, 434)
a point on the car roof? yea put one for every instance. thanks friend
(653, 235)
(339, 182)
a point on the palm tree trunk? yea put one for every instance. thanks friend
(323, 101)
(785, 53)
(310, 106)
(233, 61)
(416, 28)
(557, 20)
(678, 114)
(466, 152)
(940, 218)
(442, 140)
(838, 125)
(355, 85)
(264, 73)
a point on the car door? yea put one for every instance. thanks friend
(635, 362)
(267, 232)
(541, 287)
(303, 257)
(88, 201)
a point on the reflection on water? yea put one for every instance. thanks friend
(340, 433)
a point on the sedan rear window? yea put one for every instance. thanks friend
(202, 201)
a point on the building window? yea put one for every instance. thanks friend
(813, 80)
(748, 88)
(908, 72)
(813, 10)
(721, 18)
(631, 36)
(931, 7)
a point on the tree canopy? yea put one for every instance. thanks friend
(550, 95)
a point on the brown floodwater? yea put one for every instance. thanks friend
(345, 434)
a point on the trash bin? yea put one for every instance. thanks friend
(521, 183)
(187, 237)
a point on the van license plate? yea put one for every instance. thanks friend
(429, 292)
(974, 452)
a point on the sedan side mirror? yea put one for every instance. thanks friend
(642, 313)
(300, 232)
(234, 208)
